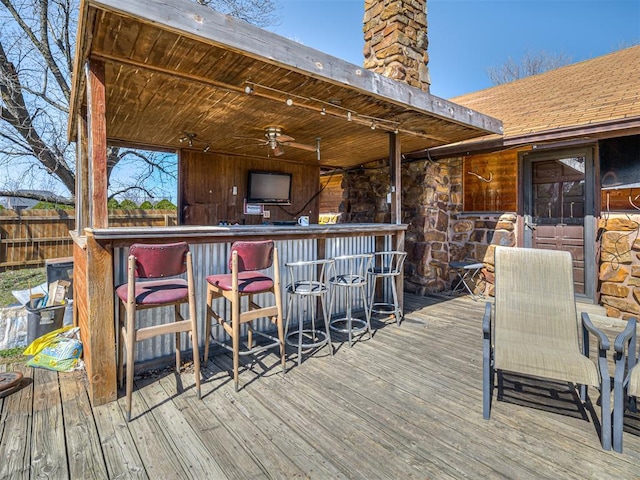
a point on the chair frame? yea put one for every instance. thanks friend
(357, 266)
(386, 265)
(238, 318)
(489, 371)
(308, 281)
(625, 360)
(129, 335)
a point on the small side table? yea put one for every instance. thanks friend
(467, 270)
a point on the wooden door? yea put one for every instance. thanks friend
(556, 208)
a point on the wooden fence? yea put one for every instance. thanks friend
(30, 237)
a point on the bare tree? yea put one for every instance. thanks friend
(259, 12)
(531, 63)
(36, 60)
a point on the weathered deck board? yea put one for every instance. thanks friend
(84, 451)
(405, 404)
(48, 460)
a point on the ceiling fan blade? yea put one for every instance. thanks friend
(301, 146)
(282, 138)
(278, 150)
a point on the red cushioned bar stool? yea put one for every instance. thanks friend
(153, 280)
(247, 279)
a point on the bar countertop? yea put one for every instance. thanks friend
(220, 233)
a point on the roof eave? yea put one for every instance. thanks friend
(204, 24)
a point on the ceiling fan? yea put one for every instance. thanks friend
(275, 139)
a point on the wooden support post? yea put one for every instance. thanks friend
(98, 338)
(83, 218)
(395, 165)
(399, 245)
(97, 141)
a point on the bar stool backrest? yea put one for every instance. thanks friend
(160, 260)
(388, 263)
(308, 277)
(351, 270)
(252, 255)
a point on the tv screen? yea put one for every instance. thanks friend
(270, 188)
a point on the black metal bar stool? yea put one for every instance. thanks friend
(349, 273)
(386, 265)
(308, 283)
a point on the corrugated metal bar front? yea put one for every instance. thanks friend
(210, 258)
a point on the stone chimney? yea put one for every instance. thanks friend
(395, 40)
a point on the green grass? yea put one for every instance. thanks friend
(19, 280)
(13, 355)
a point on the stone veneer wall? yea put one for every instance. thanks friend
(476, 235)
(619, 272)
(395, 35)
(438, 232)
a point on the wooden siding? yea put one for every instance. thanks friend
(207, 180)
(331, 196)
(497, 191)
(620, 199)
(405, 404)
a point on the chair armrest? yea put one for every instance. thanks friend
(626, 340)
(626, 336)
(603, 341)
(486, 320)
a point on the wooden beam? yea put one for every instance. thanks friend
(395, 164)
(97, 142)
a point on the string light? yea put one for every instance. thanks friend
(332, 107)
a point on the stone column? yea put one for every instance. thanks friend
(395, 35)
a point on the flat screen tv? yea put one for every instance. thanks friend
(269, 188)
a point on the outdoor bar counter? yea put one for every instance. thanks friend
(100, 263)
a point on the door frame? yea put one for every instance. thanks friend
(588, 152)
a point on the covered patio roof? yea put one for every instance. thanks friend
(176, 67)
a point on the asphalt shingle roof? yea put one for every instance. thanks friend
(594, 91)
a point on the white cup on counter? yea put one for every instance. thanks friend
(303, 221)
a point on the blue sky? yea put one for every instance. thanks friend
(466, 37)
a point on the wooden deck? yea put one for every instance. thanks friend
(406, 404)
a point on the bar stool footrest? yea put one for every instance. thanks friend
(385, 309)
(357, 325)
(275, 342)
(314, 338)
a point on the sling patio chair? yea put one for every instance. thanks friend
(626, 380)
(533, 328)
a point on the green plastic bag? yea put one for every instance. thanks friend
(59, 350)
